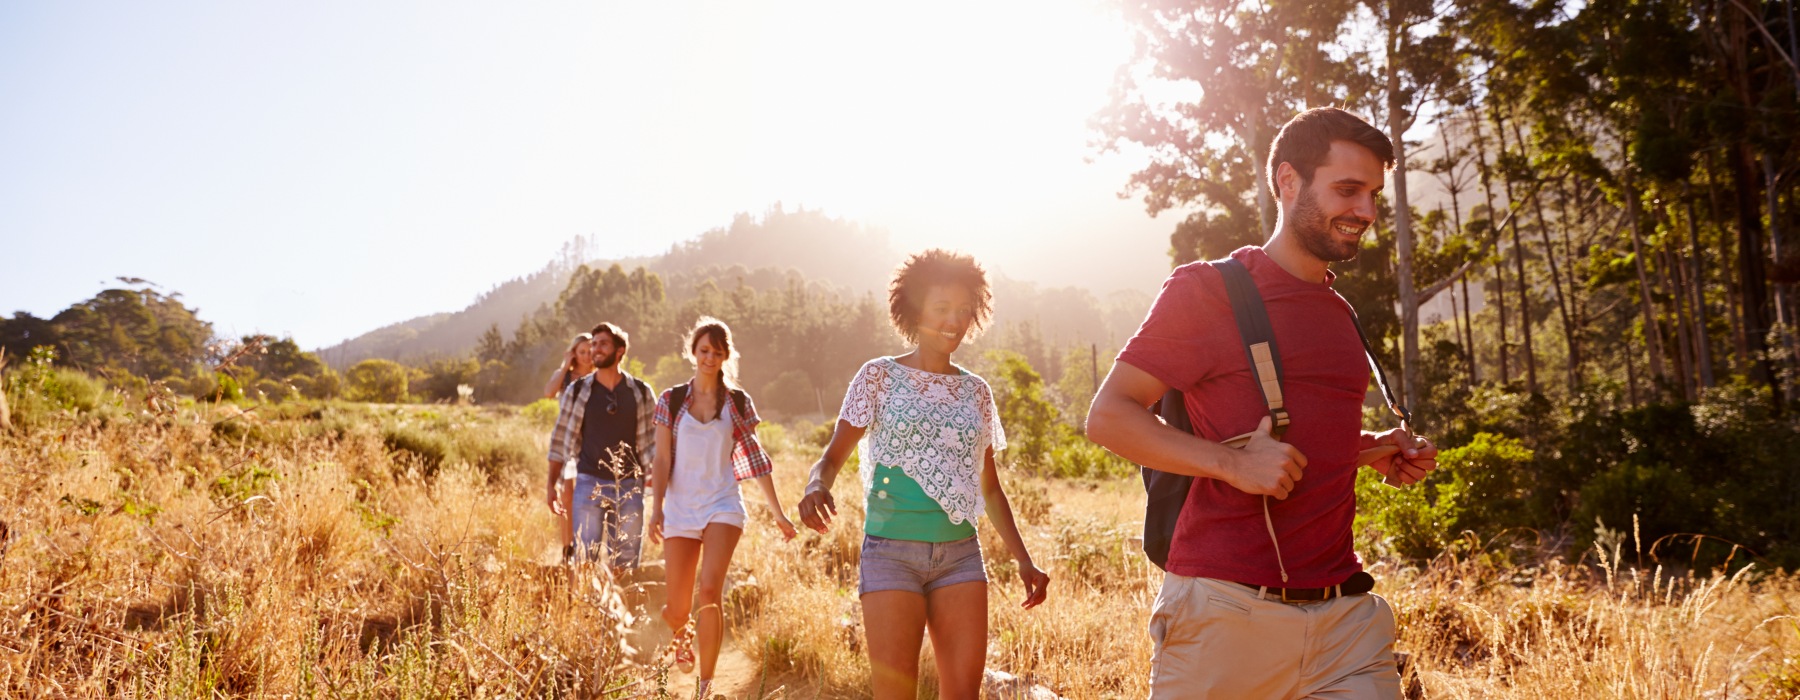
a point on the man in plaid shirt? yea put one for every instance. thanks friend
(602, 447)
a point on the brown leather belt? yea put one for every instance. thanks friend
(1358, 583)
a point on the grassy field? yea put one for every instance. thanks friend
(344, 550)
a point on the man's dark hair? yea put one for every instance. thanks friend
(1306, 139)
(619, 336)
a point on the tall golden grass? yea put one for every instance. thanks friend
(347, 551)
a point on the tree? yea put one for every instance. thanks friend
(378, 381)
(142, 332)
(282, 359)
(1237, 70)
(1032, 424)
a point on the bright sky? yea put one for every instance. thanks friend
(324, 168)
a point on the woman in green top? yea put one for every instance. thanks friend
(928, 431)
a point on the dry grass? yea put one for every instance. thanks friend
(303, 551)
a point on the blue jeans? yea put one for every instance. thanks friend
(612, 512)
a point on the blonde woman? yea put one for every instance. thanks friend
(705, 444)
(929, 430)
(578, 362)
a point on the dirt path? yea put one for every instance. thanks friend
(736, 676)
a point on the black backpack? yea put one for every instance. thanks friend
(678, 396)
(1167, 493)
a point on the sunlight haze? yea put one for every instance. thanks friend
(324, 169)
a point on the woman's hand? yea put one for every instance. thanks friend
(1037, 584)
(787, 526)
(656, 524)
(817, 509)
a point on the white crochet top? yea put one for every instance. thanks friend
(935, 428)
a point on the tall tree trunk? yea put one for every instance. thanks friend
(1630, 373)
(1697, 290)
(1669, 273)
(1499, 282)
(1570, 341)
(1265, 200)
(1752, 273)
(1465, 331)
(1469, 325)
(1734, 292)
(1531, 385)
(1652, 333)
(1403, 241)
(1784, 320)
(1577, 314)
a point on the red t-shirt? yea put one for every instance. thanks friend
(1190, 341)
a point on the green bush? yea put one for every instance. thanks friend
(495, 454)
(541, 413)
(1077, 458)
(1481, 487)
(430, 449)
(38, 389)
(377, 381)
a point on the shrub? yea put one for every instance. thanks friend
(377, 381)
(430, 449)
(541, 413)
(271, 390)
(38, 389)
(1482, 486)
(495, 454)
(791, 393)
(1075, 457)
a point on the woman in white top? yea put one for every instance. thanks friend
(928, 430)
(705, 444)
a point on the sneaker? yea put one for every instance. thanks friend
(683, 649)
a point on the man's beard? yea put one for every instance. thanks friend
(1317, 234)
(608, 360)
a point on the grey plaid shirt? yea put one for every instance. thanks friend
(565, 439)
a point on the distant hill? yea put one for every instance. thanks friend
(765, 252)
(452, 334)
(757, 250)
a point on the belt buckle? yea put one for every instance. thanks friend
(1291, 601)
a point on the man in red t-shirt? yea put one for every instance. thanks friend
(1264, 596)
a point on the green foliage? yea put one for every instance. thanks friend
(37, 388)
(790, 394)
(1482, 486)
(1032, 424)
(250, 480)
(226, 388)
(441, 378)
(541, 413)
(429, 449)
(141, 332)
(1075, 457)
(281, 359)
(377, 381)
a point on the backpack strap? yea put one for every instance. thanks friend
(1394, 404)
(1259, 338)
(678, 396)
(740, 400)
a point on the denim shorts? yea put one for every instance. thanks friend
(608, 520)
(919, 567)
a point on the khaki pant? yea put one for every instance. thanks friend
(1216, 639)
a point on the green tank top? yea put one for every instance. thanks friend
(899, 510)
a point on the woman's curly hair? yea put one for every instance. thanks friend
(934, 268)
